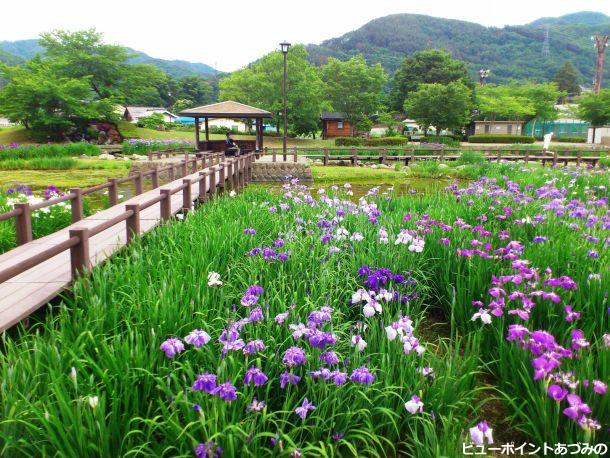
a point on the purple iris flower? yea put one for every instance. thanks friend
(226, 391)
(329, 358)
(304, 408)
(288, 378)
(256, 376)
(253, 347)
(205, 382)
(208, 450)
(256, 314)
(362, 375)
(557, 392)
(172, 346)
(294, 356)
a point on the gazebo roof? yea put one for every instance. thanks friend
(228, 109)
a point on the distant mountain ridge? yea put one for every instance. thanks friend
(16, 52)
(511, 52)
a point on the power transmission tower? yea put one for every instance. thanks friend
(546, 49)
(600, 44)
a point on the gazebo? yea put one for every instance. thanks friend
(231, 110)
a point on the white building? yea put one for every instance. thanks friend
(599, 135)
(134, 114)
(228, 123)
(4, 122)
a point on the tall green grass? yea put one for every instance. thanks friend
(49, 151)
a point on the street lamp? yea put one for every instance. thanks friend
(284, 47)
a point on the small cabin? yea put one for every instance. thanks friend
(498, 128)
(335, 125)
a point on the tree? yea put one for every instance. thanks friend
(568, 78)
(37, 97)
(194, 88)
(260, 85)
(353, 87)
(82, 54)
(426, 67)
(182, 104)
(518, 101)
(595, 108)
(445, 106)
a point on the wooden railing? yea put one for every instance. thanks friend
(22, 213)
(234, 174)
(411, 154)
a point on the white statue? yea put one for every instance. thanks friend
(547, 141)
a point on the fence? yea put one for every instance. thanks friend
(410, 155)
(21, 297)
(23, 211)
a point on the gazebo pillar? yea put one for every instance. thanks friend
(207, 130)
(197, 134)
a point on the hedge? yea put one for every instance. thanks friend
(445, 140)
(376, 141)
(501, 139)
(386, 141)
(571, 140)
(349, 141)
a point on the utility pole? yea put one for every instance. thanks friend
(600, 44)
(284, 47)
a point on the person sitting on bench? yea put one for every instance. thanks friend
(231, 147)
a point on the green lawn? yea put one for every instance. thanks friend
(63, 179)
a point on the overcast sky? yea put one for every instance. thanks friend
(231, 33)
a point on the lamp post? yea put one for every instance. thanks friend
(284, 47)
(600, 43)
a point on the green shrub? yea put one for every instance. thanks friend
(471, 157)
(571, 140)
(443, 139)
(501, 138)
(49, 151)
(349, 141)
(386, 141)
(154, 121)
(41, 163)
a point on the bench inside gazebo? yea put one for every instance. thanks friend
(229, 110)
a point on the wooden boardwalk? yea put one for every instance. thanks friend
(22, 294)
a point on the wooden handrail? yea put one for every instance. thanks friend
(22, 212)
(78, 239)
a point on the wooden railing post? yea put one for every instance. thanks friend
(183, 167)
(354, 157)
(193, 165)
(79, 253)
(113, 192)
(274, 158)
(187, 196)
(166, 204)
(139, 183)
(412, 155)
(527, 156)
(23, 223)
(212, 190)
(171, 173)
(222, 171)
(295, 154)
(203, 181)
(554, 158)
(250, 167)
(325, 160)
(499, 156)
(155, 178)
(229, 174)
(133, 222)
(242, 173)
(238, 172)
(578, 158)
(382, 158)
(150, 155)
(442, 156)
(76, 204)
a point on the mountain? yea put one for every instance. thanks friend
(16, 52)
(511, 52)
